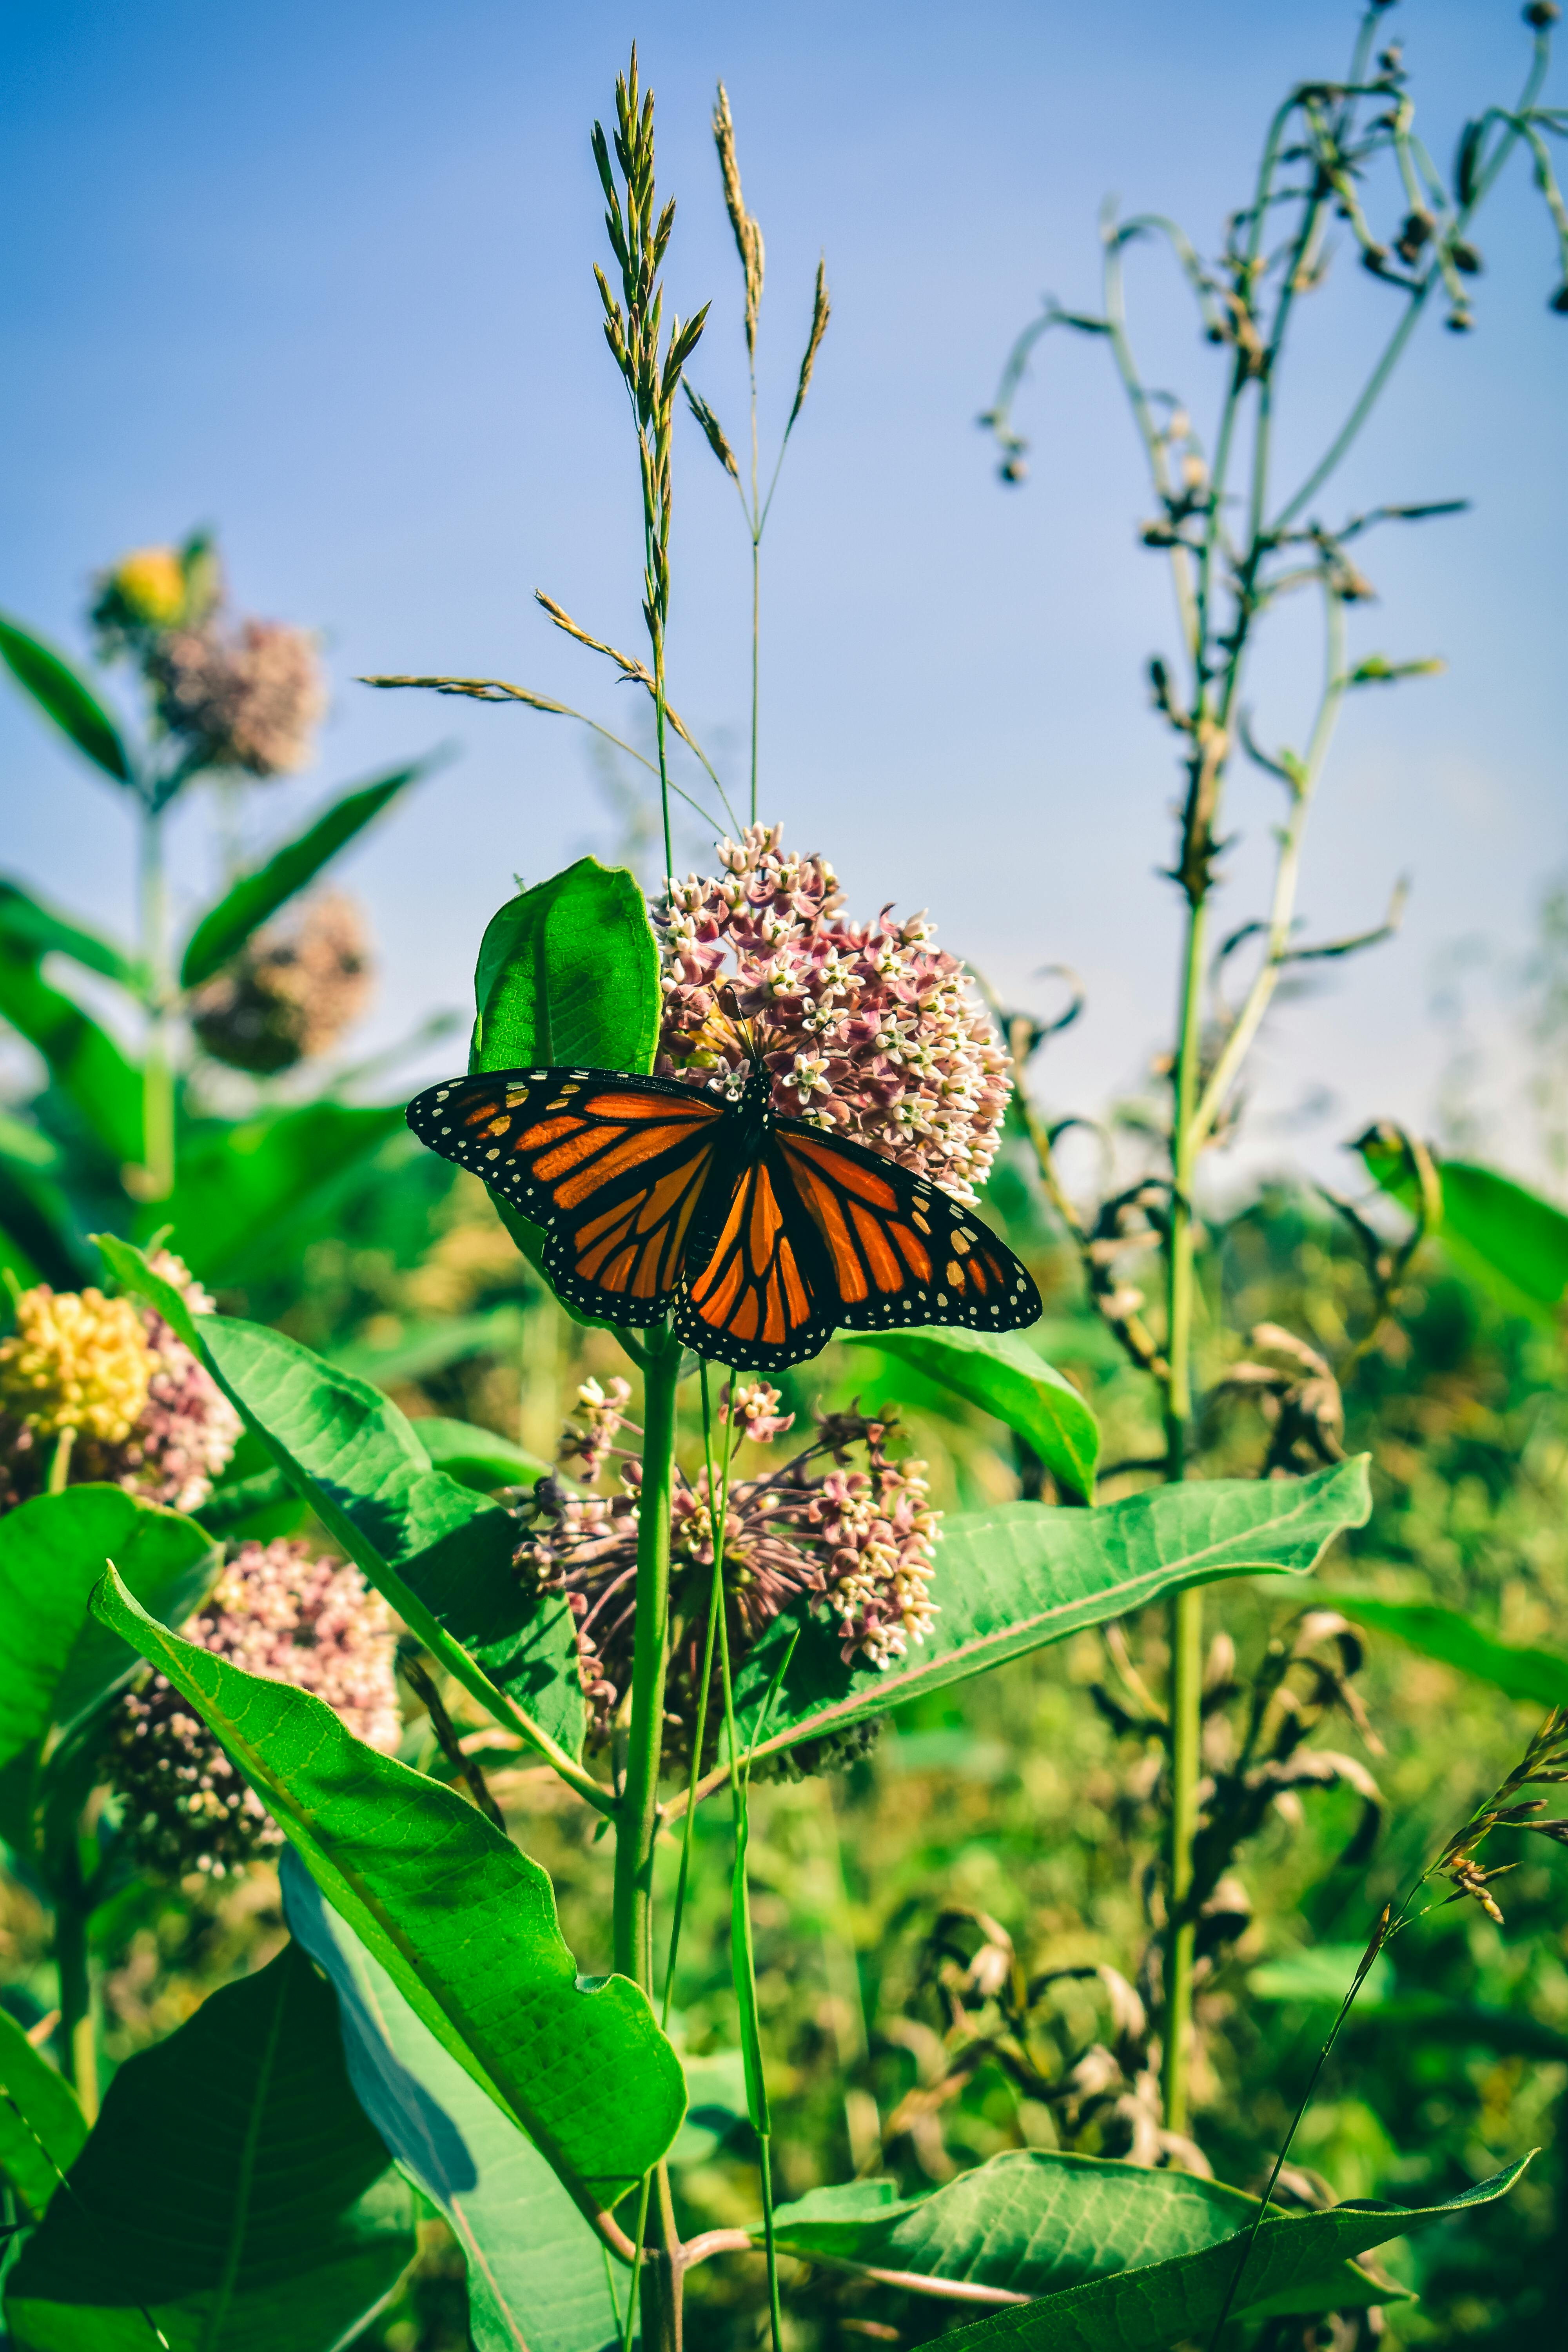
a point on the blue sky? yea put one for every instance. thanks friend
(320, 275)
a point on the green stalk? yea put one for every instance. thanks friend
(1185, 1615)
(79, 2030)
(743, 1958)
(718, 1503)
(157, 1075)
(636, 1817)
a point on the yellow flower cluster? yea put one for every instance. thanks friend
(78, 1361)
(152, 580)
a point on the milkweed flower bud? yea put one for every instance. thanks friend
(279, 1614)
(248, 699)
(867, 1028)
(291, 992)
(77, 1361)
(150, 584)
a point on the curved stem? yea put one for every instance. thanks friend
(1287, 875)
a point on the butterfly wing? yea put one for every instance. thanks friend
(614, 1168)
(759, 1293)
(902, 1250)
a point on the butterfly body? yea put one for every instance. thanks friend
(758, 1235)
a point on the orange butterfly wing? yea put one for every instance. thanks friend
(902, 1251)
(612, 1167)
(760, 1295)
(819, 1234)
(651, 1206)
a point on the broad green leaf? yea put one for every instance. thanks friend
(66, 698)
(1496, 1231)
(1539, 1676)
(1035, 2222)
(1165, 2303)
(464, 1923)
(477, 1457)
(1001, 1374)
(232, 2191)
(247, 904)
(83, 1059)
(568, 972)
(57, 1660)
(441, 1554)
(539, 2278)
(35, 929)
(42, 2126)
(1011, 1580)
(246, 1195)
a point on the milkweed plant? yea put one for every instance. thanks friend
(711, 1583)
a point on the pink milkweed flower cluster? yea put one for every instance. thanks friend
(859, 1544)
(867, 1029)
(277, 1612)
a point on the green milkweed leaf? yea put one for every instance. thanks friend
(1035, 2221)
(1146, 2308)
(441, 1554)
(1539, 1676)
(248, 903)
(65, 698)
(42, 2126)
(35, 929)
(1496, 1231)
(57, 1660)
(539, 2279)
(464, 1924)
(1011, 1580)
(1004, 1374)
(232, 2191)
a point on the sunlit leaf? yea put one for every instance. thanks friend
(1037, 2222)
(539, 2279)
(441, 1554)
(1005, 1375)
(1011, 1580)
(464, 1923)
(1149, 2308)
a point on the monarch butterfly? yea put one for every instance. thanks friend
(762, 1235)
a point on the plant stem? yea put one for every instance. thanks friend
(637, 1818)
(79, 2030)
(157, 1076)
(1186, 1610)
